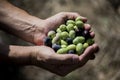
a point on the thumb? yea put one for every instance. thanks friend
(86, 55)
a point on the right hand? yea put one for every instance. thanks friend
(61, 64)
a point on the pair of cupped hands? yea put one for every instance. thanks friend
(60, 64)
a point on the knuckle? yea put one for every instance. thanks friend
(76, 13)
(62, 13)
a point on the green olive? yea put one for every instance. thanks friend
(76, 28)
(62, 51)
(78, 19)
(71, 47)
(70, 27)
(56, 38)
(72, 34)
(62, 27)
(64, 35)
(63, 46)
(79, 48)
(58, 30)
(85, 45)
(51, 34)
(63, 42)
(80, 24)
(90, 41)
(79, 39)
(70, 22)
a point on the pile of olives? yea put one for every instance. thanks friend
(70, 38)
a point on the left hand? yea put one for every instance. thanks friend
(56, 63)
(52, 23)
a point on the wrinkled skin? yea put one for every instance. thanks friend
(61, 64)
(32, 29)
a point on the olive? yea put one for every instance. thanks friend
(85, 45)
(47, 41)
(79, 39)
(71, 47)
(63, 27)
(76, 28)
(72, 34)
(64, 35)
(69, 40)
(70, 22)
(62, 51)
(78, 19)
(56, 47)
(79, 48)
(51, 34)
(63, 46)
(58, 30)
(56, 38)
(90, 41)
(71, 52)
(79, 32)
(86, 34)
(71, 37)
(70, 27)
(63, 42)
(80, 24)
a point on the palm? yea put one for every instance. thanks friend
(61, 64)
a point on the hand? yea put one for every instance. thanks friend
(34, 30)
(61, 64)
(52, 23)
(46, 58)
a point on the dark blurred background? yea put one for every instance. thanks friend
(104, 17)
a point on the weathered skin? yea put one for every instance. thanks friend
(32, 29)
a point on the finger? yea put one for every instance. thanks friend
(86, 55)
(73, 15)
(92, 34)
(64, 59)
(87, 27)
(96, 48)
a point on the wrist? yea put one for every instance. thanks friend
(36, 56)
(20, 55)
(39, 33)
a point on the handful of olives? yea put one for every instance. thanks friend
(70, 38)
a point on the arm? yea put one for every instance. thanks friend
(15, 54)
(32, 29)
(28, 27)
(44, 57)
(19, 22)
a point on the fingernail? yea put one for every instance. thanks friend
(87, 27)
